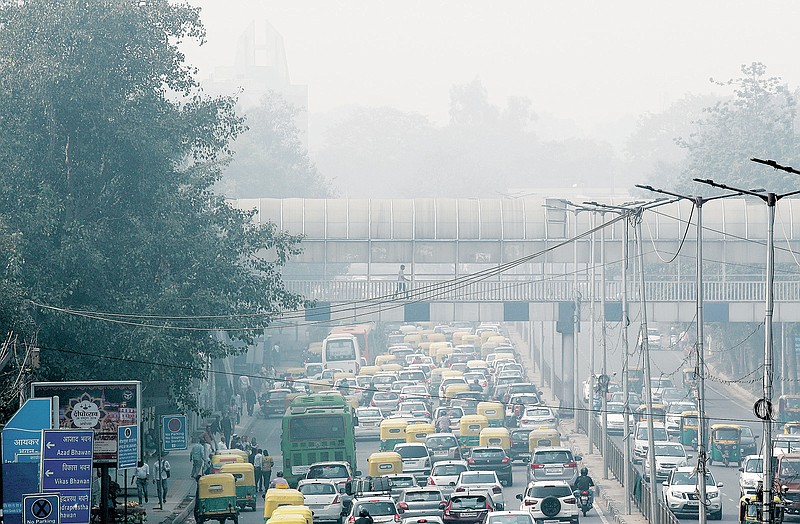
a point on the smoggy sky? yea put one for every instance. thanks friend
(591, 62)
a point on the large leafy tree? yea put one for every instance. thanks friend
(108, 152)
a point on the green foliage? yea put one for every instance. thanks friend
(756, 121)
(270, 159)
(108, 153)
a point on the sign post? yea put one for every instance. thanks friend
(67, 470)
(174, 434)
(41, 508)
(127, 456)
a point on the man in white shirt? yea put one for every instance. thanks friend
(140, 477)
(258, 464)
(160, 475)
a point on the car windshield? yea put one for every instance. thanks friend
(478, 477)
(412, 451)
(615, 407)
(469, 502)
(552, 457)
(317, 488)
(726, 434)
(510, 518)
(754, 465)
(688, 478)
(412, 375)
(385, 395)
(669, 451)
(375, 508)
(441, 442)
(488, 453)
(541, 492)
(538, 412)
(520, 435)
(422, 496)
(327, 472)
(659, 434)
(402, 482)
(369, 413)
(447, 470)
(383, 379)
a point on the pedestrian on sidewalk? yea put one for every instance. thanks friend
(227, 429)
(258, 463)
(250, 397)
(197, 456)
(266, 468)
(140, 477)
(161, 474)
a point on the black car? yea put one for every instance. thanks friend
(519, 444)
(274, 402)
(491, 459)
(467, 508)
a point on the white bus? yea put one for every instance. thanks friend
(341, 350)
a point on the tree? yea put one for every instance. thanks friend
(756, 121)
(108, 152)
(270, 159)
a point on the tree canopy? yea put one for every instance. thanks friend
(108, 155)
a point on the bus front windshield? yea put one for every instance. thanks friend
(316, 427)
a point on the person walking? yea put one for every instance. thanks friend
(160, 475)
(250, 398)
(197, 457)
(258, 464)
(227, 429)
(402, 282)
(266, 468)
(140, 477)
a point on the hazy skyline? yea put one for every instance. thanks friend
(589, 62)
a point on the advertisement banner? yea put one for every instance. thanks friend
(99, 406)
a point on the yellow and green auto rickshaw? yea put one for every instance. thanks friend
(659, 412)
(494, 412)
(292, 514)
(224, 458)
(543, 438)
(791, 428)
(690, 425)
(244, 475)
(368, 371)
(458, 337)
(789, 408)
(750, 510)
(392, 366)
(412, 340)
(725, 444)
(499, 437)
(418, 432)
(469, 430)
(436, 346)
(478, 365)
(216, 498)
(442, 353)
(452, 389)
(382, 360)
(393, 431)
(384, 463)
(277, 497)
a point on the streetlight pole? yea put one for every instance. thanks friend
(603, 341)
(590, 429)
(698, 202)
(763, 407)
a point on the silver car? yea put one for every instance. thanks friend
(415, 458)
(445, 474)
(369, 423)
(553, 464)
(420, 502)
(322, 496)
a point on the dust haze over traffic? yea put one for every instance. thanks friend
(465, 98)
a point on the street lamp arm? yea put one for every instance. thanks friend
(711, 183)
(773, 164)
(663, 191)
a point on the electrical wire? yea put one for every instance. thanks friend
(680, 246)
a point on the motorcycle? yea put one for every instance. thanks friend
(585, 502)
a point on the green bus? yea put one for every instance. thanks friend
(316, 428)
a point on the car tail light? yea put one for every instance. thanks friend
(497, 489)
(396, 517)
(570, 500)
(351, 520)
(505, 460)
(336, 500)
(584, 492)
(537, 466)
(470, 460)
(372, 403)
(403, 506)
(447, 510)
(529, 502)
(460, 489)
(431, 482)
(572, 464)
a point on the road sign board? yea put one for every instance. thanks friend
(127, 446)
(18, 480)
(41, 508)
(21, 435)
(174, 434)
(67, 470)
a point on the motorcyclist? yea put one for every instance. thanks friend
(443, 422)
(584, 483)
(363, 517)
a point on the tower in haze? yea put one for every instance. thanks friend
(260, 66)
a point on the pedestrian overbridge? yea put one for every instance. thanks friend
(518, 258)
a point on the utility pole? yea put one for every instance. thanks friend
(702, 466)
(763, 407)
(592, 382)
(603, 341)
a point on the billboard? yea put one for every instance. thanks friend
(100, 406)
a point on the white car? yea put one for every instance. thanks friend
(508, 517)
(668, 456)
(449, 381)
(658, 385)
(323, 497)
(486, 481)
(673, 417)
(640, 439)
(415, 456)
(445, 473)
(538, 416)
(369, 422)
(524, 399)
(550, 501)
(750, 474)
(679, 493)
(616, 419)
(382, 509)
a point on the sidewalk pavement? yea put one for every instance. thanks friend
(611, 497)
(181, 488)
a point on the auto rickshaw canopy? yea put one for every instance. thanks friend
(472, 425)
(384, 463)
(499, 437)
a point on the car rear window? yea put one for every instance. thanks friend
(488, 453)
(552, 457)
(470, 502)
(402, 482)
(327, 472)
(375, 508)
(540, 492)
(478, 477)
(383, 380)
(368, 413)
(385, 395)
(423, 496)
(448, 469)
(510, 519)
(277, 395)
(520, 435)
(317, 489)
(441, 442)
(412, 451)
(412, 375)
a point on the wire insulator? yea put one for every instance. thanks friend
(763, 409)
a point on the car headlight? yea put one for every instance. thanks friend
(677, 494)
(713, 494)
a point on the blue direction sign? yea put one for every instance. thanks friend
(21, 435)
(127, 446)
(174, 435)
(41, 508)
(67, 470)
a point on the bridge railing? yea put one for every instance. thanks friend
(535, 291)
